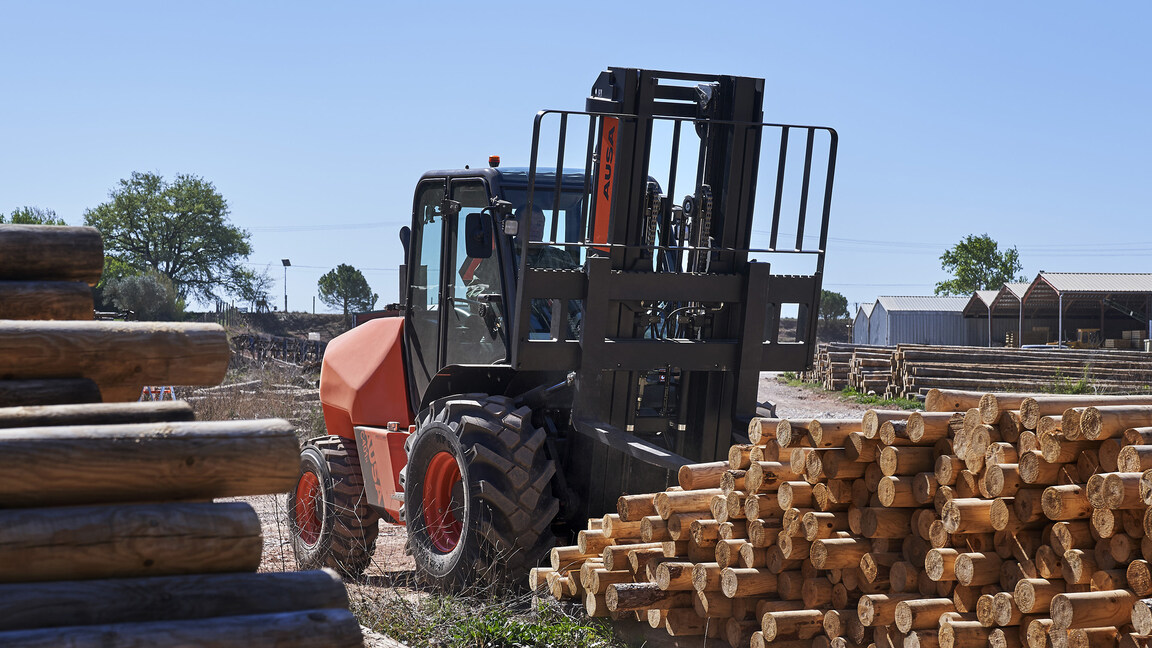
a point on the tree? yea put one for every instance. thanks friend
(346, 288)
(253, 287)
(151, 296)
(833, 307)
(179, 229)
(976, 263)
(33, 216)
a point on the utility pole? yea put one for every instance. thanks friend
(286, 263)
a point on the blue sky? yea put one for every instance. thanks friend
(1026, 121)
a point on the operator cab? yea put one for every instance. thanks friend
(463, 254)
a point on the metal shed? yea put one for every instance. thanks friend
(861, 325)
(920, 320)
(1107, 302)
(1003, 311)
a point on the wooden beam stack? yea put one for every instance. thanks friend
(990, 519)
(109, 534)
(910, 371)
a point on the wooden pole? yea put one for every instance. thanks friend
(129, 540)
(45, 300)
(51, 391)
(51, 253)
(147, 462)
(95, 414)
(120, 357)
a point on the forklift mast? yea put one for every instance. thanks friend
(678, 312)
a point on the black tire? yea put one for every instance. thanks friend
(330, 521)
(502, 502)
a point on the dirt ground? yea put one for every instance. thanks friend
(392, 567)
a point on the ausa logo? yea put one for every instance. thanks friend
(605, 173)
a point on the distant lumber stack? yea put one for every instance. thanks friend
(910, 371)
(109, 535)
(995, 519)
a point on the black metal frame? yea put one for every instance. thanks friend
(720, 365)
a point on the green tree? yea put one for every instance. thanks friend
(833, 307)
(346, 288)
(253, 287)
(151, 296)
(179, 229)
(33, 216)
(976, 263)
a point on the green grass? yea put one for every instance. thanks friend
(1068, 385)
(464, 622)
(868, 399)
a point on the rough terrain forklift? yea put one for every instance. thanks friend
(569, 335)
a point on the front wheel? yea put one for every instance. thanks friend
(477, 493)
(330, 521)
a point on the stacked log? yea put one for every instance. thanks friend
(109, 534)
(910, 371)
(988, 519)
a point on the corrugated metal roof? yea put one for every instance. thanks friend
(923, 303)
(867, 308)
(1098, 282)
(987, 296)
(1017, 289)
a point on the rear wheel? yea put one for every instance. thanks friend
(477, 493)
(331, 523)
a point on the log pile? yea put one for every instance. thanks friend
(861, 367)
(109, 534)
(910, 371)
(989, 519)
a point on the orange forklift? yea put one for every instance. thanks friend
(569, 334)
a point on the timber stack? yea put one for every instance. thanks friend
(910, 371)
(109, 534)
(988, 519)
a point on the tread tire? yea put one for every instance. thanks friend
(508, 506)
(349, 527)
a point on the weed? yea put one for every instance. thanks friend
(869, 399)
(1067, 385)
(466, 622)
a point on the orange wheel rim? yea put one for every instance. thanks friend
(442, 476)
(308, 521)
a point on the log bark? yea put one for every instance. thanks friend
(306, 628)
(124, 541)
(52, 466)
(623, 597)
(45, 300)
(120, 357)
(95, 414)
(171, 598)
(51, 253)
(51, 391)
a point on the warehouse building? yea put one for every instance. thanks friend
(916, 320)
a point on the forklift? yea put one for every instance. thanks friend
(570, 333)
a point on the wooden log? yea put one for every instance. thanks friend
(45, 300)
(1134, 458)
(1031, 409)
(1141, 616)
(940, 564)
(78, 542)
(95, 414)
(172, 598)
(838, 553)
(1121, 490)
(880, 609)
(631, 508)
(1092, 609)
(951, 400)
(975, 568)
(741, 582)
(567, 557)
(1033, 595)
(623, 597)
(669, 502)
(906, 460)
(1139, 577)
(298, 629)
(599, 579)
(51, 253)
(1004, 610)
(50, 391)
(967, 515)
(1066, 502)
(992, 405)
(1099, 422)
(921, 614)
(896, 492)
(147, 462)
(144, 353)
(707, 577)
(800, 624)
(962, 634)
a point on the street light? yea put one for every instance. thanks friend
(286, 263)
